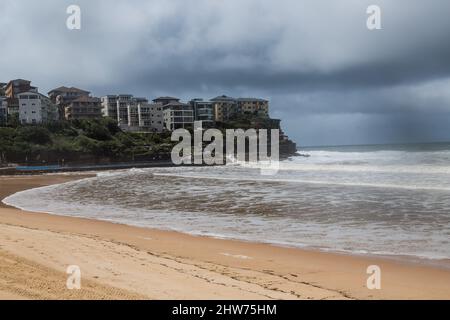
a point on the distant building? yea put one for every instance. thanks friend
(35, 108)
(224, 108)
(151, 117)
(203, 111)
(178, 115)
(63, 96)
(14, 87)
(109, 106)
(166, 100)
(133, 113)
(254, 106)
(123, 100)
(3, 111)
(84, 107)
(124, 109)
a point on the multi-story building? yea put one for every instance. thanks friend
(14, 87)
(151, 117)
(84, 107)
(109, 106)
(63, 96)
(35, 108)
(178, 115)
(3, 111)
(254, 106)
(225, 108)
(133, 113)
(124, 109)
(123, 100)
(203, 111)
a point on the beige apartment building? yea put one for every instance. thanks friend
(83, 108)
(63, 96)
(14, 87)
(253, 106)
(224, 108)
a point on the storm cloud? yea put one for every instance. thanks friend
(329, 78)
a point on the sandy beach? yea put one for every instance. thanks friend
(124, 262)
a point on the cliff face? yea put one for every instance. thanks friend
(288, 148)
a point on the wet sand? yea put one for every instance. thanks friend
(124, 262)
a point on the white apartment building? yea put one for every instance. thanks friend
(133, 113)
(124, 109)
(35, 108)
(123, 100)
(109, 106)
(151, 117)
(178, 115)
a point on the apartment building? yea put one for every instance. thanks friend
(14, 87)
(254, 106)
(178, 115)
(124, 109)
(109, 106)
(3, 111)
(84, 107)
(63, 96)
(35, 108)
(133, 113)
(151, 117)
(224, 108)
(203, 111)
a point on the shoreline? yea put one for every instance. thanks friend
(441, 263)
(219, 268)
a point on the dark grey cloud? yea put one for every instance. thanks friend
(329, 78)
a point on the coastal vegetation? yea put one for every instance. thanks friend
(79, 140)
(101, 141)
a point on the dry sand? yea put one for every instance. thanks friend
(123, 262)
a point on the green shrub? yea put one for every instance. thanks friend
(34, 134)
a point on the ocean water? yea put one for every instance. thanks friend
(376, 200)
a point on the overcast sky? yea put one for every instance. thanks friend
(329, 78)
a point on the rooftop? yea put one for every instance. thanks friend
(166, 98)
(68, 90)
(252, 99)
(223, 98)
(18, 81)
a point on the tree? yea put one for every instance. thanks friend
(34, 134)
